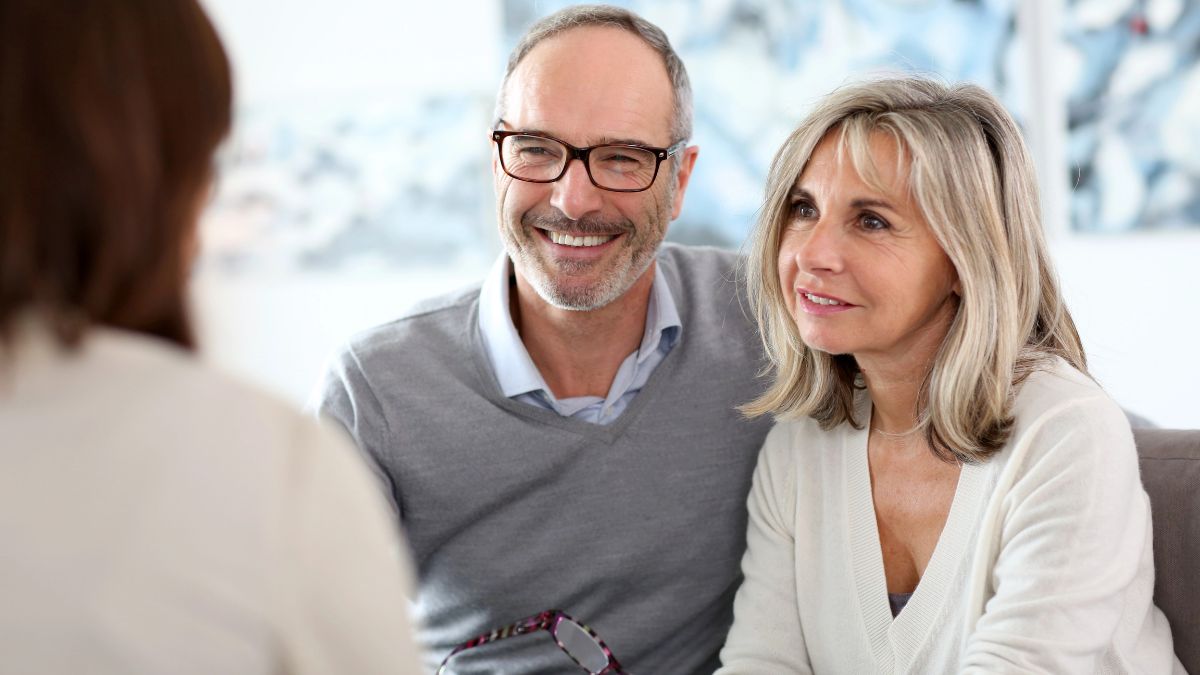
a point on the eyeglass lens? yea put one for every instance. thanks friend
(581, 645)
(612, 166)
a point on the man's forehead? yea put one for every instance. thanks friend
(592, 85)
(594, 136)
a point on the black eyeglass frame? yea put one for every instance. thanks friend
(574, 152)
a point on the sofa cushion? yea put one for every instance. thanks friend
(1170, 461)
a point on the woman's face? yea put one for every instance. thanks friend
(861, 271)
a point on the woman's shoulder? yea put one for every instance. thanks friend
(802, 440)
(182, 389)
(145, 388)
(1059, 390)
(1061, 410)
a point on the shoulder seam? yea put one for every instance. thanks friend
(387, 424)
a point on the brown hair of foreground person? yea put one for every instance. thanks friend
(110, 111)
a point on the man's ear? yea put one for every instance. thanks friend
(495, 152)
(687, 162)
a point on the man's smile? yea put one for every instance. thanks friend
(565, 239)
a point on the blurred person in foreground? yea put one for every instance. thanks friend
(565, 436)
(154, 517)
(946, 489)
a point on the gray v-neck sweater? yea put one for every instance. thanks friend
(635, 528)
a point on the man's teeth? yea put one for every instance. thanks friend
(822, 301)
(568, 240)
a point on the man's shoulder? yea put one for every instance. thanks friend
(699, 259)
(431, 320)
(706, 283)
(698, 272)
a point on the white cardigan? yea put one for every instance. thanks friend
(1044, 565)
(158, 518)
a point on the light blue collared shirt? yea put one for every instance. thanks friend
(519, 378)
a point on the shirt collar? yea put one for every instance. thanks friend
(662, 318)
(514, 369)
(510, 361)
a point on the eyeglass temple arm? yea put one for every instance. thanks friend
(530, 624)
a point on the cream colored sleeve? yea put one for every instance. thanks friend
(345, 576)
(1072, 529)
(767, 636)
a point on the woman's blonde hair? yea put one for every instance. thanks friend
(973, 180)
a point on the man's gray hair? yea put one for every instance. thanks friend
(581, 16)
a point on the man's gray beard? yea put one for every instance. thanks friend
(601, 294)
(566, 296)
(589, 298)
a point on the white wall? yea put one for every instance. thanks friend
(1133, 296)
(279, 331)
(286, 49)
(1136, 301)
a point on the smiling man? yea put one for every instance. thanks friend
(564, 436)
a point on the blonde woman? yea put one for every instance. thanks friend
(946, 489)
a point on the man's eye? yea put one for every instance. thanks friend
(623, 160)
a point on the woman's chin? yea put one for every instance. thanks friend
(825, 344)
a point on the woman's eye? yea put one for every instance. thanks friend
(873, 222)
(802, 209)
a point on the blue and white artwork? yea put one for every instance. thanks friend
(1134, 113)
(386, 179)
(389, 178)
(757, 66)
(354, 185)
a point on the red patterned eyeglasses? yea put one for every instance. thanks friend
(575, 639)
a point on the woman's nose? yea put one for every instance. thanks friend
(819, 249)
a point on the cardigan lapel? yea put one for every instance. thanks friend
(895, 643)
(915, 624)
(866, 554)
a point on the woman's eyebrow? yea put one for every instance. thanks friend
(872, 204)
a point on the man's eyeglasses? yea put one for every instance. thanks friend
(620, 167)
(577, 640)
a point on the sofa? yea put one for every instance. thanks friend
(1170, 461)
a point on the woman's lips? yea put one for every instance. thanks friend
(820, 303)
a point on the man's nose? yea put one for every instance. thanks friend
(573, 194)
